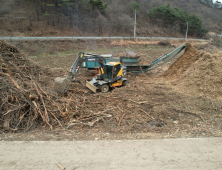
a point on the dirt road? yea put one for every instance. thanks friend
(199, 153)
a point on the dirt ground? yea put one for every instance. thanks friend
(153, 107)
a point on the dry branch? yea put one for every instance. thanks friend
(145, 102)
(120, 120)
(13, 81)
(96, 117)
(9, 111)
(146, 113)
(120, 108)
(46, 113)
(82, 108)
(194, 114)
(60, 166)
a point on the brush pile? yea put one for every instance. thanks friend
(23, 93)
(28, 99)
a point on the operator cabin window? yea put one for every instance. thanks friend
(108, 74)
(116, 70)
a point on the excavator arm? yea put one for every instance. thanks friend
(82, 57)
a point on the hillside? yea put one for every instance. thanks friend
(107, 18)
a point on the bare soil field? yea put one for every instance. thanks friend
(171, 101)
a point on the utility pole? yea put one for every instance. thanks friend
(135, 26)
(186, 31)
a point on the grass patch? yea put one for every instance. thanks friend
(114, 51)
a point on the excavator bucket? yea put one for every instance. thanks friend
(90, 85)
(61, 84)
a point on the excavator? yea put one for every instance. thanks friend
(111, 74)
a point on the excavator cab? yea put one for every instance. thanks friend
(113, 77)
(112, 69)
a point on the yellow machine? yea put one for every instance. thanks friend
(111, 75)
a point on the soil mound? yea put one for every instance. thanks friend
(204, 77)
(182, 63)
(198, 73)
(164, 43)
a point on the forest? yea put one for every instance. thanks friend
(108, 17)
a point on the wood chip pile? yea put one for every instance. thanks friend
(198, 73)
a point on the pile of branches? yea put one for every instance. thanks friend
(28, 99)
(23, 91)
(132, 54)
